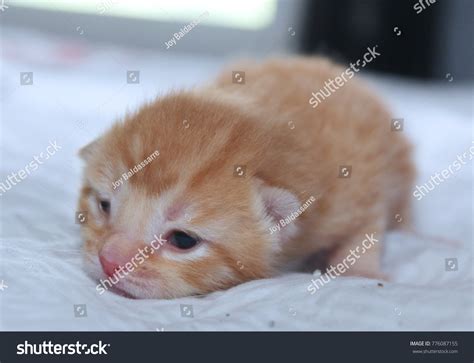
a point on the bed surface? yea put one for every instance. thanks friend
(78, 90)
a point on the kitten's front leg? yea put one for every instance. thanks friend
(361, 255)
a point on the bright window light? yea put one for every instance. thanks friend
(241, 14)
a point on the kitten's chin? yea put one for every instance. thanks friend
(123, 293)
(129, 287)
(132, 290)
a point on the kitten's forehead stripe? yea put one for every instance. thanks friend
(220, 161)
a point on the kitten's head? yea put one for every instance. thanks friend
(174, 202)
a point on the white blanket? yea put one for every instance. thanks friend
(78, 90)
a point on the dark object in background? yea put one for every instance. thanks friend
(421, 38)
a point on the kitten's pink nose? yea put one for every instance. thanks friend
(108, 266)
(117, 251)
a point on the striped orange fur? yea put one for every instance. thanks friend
(290, 152)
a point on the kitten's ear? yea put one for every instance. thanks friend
(278, 204)
(86, 152)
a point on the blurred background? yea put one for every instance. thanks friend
(419, 38)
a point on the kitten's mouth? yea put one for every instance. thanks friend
(132, 288)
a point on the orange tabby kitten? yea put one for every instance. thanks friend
(205, 189)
